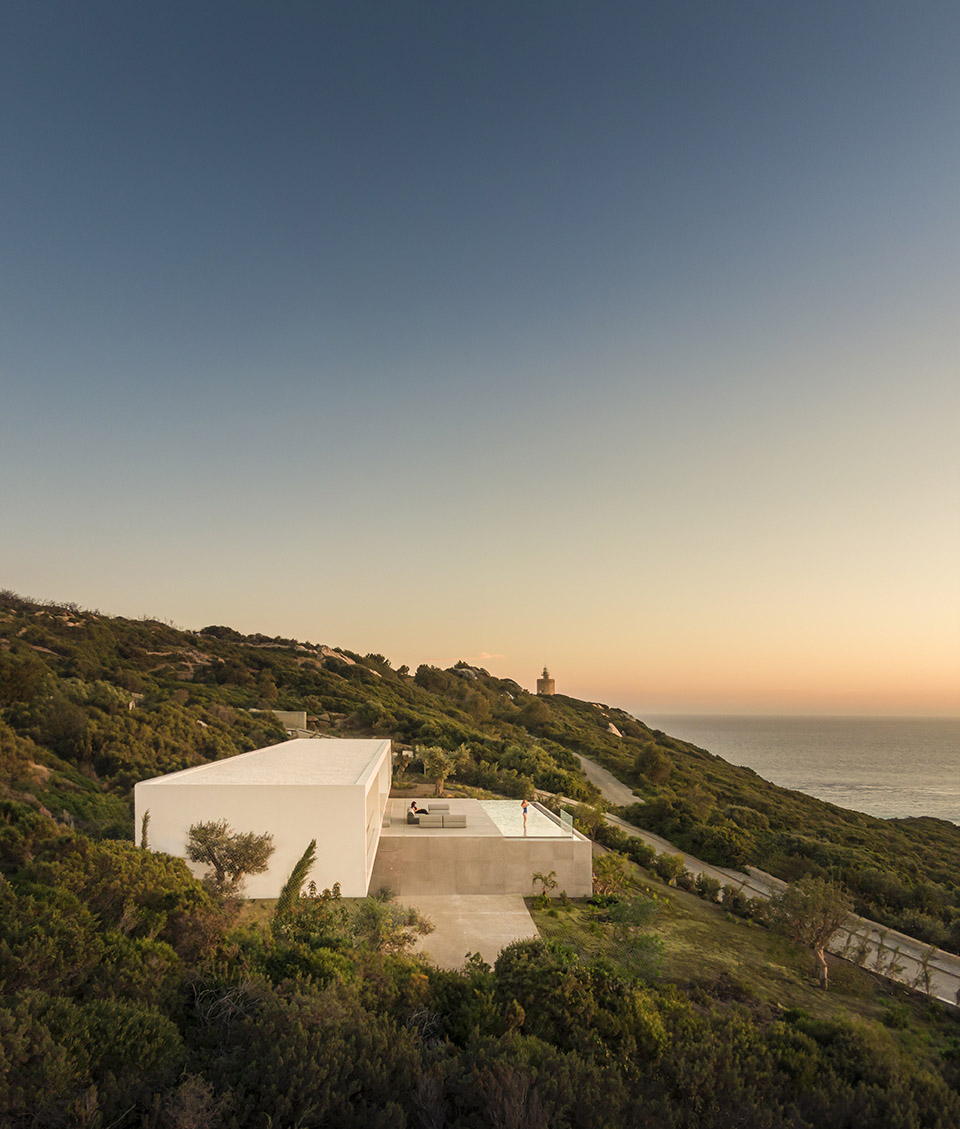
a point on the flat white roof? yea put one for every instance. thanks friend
(302, 761)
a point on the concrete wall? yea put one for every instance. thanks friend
(292, 719)
(334, 815)
(459, 864)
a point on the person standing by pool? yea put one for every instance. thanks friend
(523, 805)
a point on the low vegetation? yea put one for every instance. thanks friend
(133, 995)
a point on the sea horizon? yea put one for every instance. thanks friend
(891, 766)
(644, 717)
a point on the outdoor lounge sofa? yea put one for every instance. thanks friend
(441, 818)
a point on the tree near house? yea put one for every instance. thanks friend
(230, 855)
(811, 912)
(609, 874)
(631, 919)
(547, 884)
(387, 927)
(290, 893)
(630, 916)
(439, 763)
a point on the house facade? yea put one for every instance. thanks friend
(334, 791)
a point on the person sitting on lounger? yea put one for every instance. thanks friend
(416, 810)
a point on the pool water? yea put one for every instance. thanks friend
(508, 816)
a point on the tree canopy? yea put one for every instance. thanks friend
(230, 855)
(439, 763)
(812, 912)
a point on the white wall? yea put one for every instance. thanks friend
(334, 815)
(378, 792)
(345, 819)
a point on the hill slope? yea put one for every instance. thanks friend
(90, 704)
(131, 996)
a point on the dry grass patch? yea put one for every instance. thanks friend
(705, 947)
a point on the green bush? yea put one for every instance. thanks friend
(669, 867)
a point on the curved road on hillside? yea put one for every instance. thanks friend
(887, 952)
(610, 787)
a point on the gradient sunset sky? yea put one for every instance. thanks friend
(621, 337)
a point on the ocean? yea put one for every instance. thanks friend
(885, 766)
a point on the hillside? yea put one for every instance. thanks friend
(132, 995)
(90, 704)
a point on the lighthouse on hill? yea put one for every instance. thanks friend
(545, 684)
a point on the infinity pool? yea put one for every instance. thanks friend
(508, 816)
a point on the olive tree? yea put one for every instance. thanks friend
(811, 912)
(439, 763)
(230, 855)
(669, 867)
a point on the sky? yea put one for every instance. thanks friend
(619, 337)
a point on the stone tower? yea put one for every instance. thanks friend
(545, 684)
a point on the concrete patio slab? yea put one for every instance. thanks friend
(481, 857)
(478, 825)
(471, 923)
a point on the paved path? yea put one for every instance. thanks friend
(470, 923)
(752, 887)
(885, 951)
(899, 957)
(612, 789)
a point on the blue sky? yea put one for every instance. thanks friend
(621, 337)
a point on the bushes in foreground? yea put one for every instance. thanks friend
(133, 998)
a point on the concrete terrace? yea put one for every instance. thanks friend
(479, 824)
(471, 923)
(479, 858)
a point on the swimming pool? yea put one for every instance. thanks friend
(508, 816)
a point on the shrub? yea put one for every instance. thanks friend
(609, 873)
(641, 853)
(669, 867)
(708, 888)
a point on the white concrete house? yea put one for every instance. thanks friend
(334, 791)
